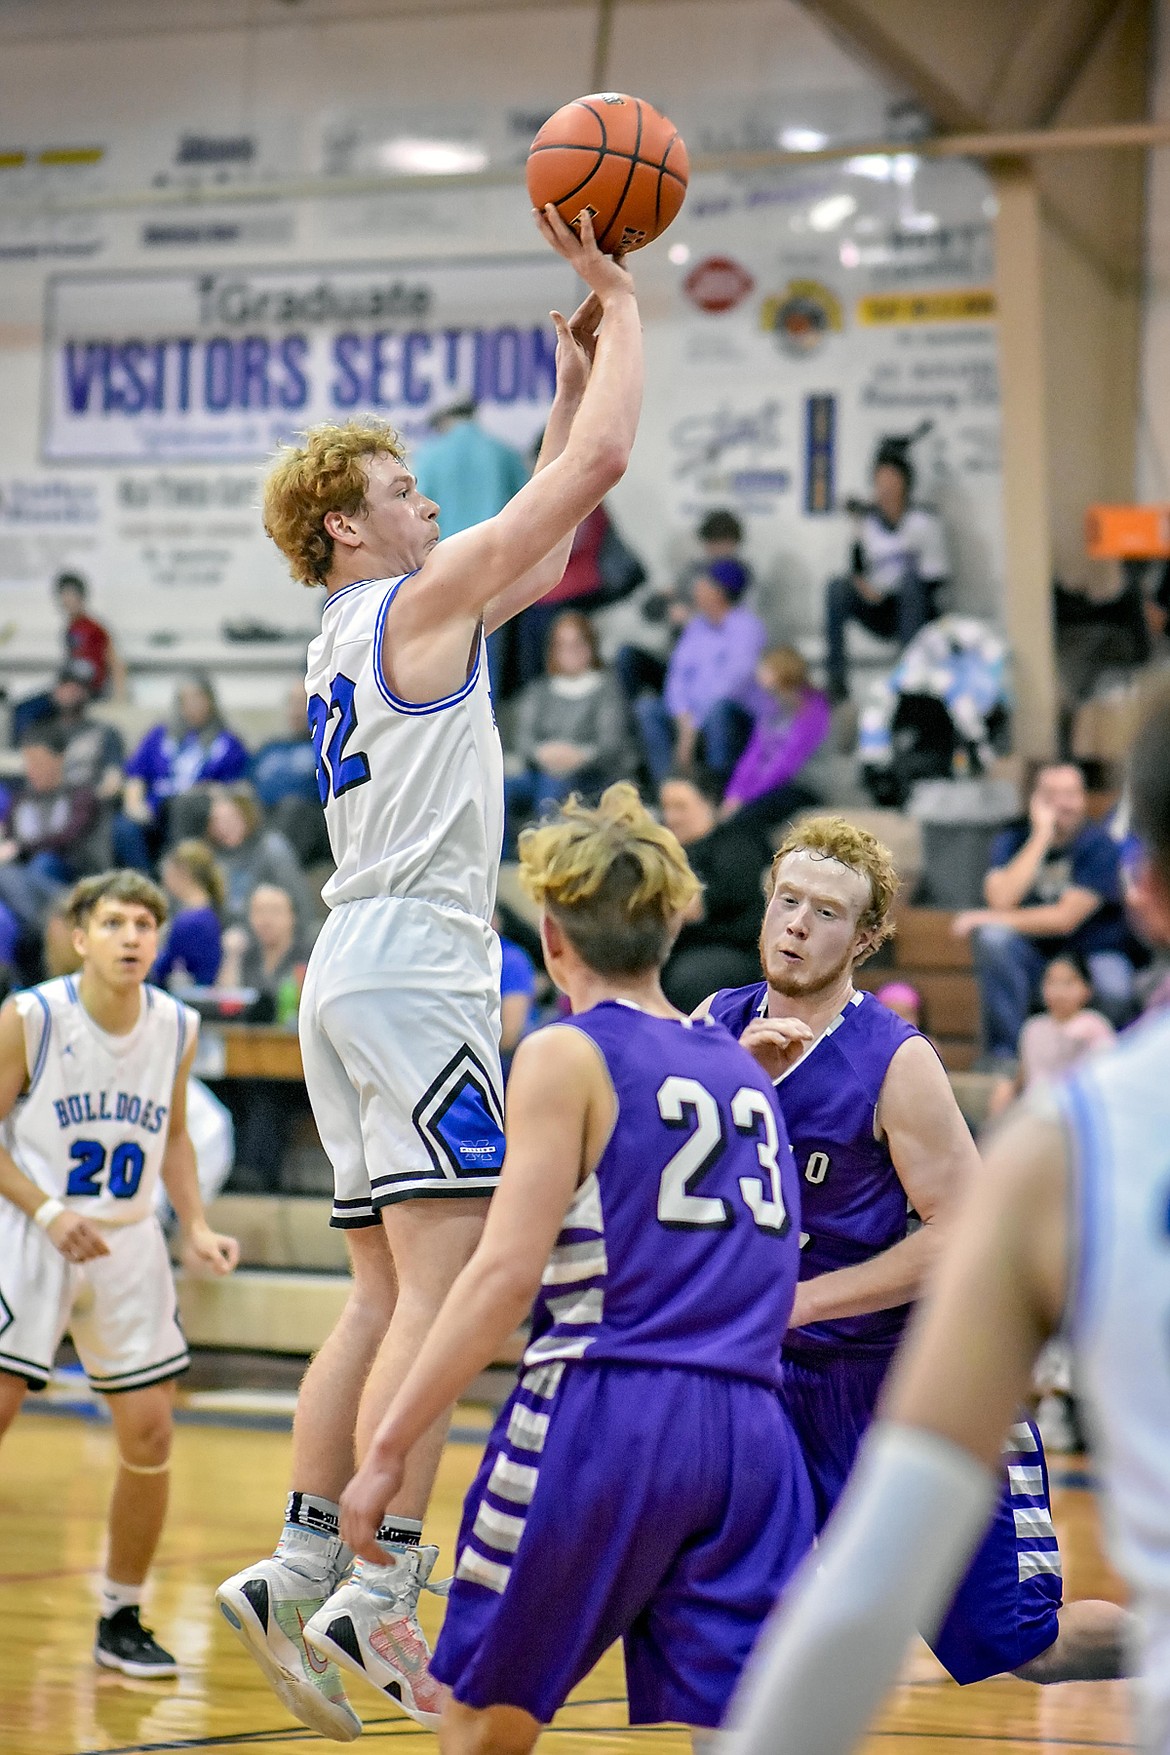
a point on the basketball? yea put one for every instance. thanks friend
(616, 158)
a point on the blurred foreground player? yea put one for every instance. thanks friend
(879, 1142)
(400, 1014)
(1066, 1229)
(93, 1089)
(643, 1481)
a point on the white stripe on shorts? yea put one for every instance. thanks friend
(1020, 1439)
(1023, 1479)
(544, 1381)
(476, 1568)
(1033, 1521)
(578, 1307)
(526, 1429)
(576, 1261)
(499, 1529)
(1033, 1562)
(512, 1481)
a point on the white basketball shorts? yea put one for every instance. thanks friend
(120, 1310)
(400, 1033)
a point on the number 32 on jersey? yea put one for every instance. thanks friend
(337, 772)
(684, 1102)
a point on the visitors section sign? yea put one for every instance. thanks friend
(222, 366)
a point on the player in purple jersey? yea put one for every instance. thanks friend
(643, 1481)
(883, 1151)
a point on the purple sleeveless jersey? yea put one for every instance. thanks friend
(683, 1246)
(852, 1203)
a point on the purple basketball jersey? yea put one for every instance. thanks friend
(852, 1203)
(682, 1248)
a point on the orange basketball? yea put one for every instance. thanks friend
(615, 157)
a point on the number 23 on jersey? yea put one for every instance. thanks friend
(684, 1102)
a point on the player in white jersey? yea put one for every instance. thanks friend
(93, 1093)
(1067, 1230)
(400, 1010)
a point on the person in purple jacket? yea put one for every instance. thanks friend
(708, 702)
(883, 1151)
(195, 747)
(775, 776)
(643, 1481)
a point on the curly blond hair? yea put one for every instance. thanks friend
(613, 878)
(328, 473)
(834, 838)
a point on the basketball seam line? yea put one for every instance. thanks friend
(635, 160)
(650, 163)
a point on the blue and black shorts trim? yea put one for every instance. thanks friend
(460, 1123)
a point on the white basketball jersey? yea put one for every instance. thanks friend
(1117, 1109)
(413, 795)
(92, 1127)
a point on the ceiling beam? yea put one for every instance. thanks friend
(1046, 62)
(854, 24)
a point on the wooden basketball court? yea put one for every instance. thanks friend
(228, 1493)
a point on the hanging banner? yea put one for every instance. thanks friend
(222, 367)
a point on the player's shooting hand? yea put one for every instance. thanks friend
(605, 275)
(364, 1502)
(775, 1044)
(208, 1252)
(76, 1238)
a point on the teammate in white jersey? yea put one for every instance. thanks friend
(1067, 1230)
(400, 1010)
(93, 1093)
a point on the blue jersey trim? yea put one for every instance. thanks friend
(71, 989)
(336, 596)
(181, 1016)
(1088, 1204)
(43, 1046)
(415, 708)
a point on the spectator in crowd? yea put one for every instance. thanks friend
(903, 1000)
(268, 954)
(472, 475)
(94, 751)
(707, 705)
(46, 842)
(718, 944)
(1053, 885)
(640, 662)
(899, 564)
(600, 570)
(193, 948)
(284, 774)
(195, 748)
(517, 997)
(777, 772)
(250, 854)
(1053, 1040)
(87, 642)
(572, 729)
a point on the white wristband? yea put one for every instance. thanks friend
(48, 1211)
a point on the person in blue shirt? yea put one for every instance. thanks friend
(517, 998)
(284, 776)
(193, 947)
(1053, 885)
(195, 747)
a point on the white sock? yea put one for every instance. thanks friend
(118, 1596)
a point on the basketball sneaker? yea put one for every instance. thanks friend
(123, 1643)
(267, 1607)
(374, 1632)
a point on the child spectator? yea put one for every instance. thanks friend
(87, 642)
(1056, 1038)
(193, 947)
(773, 777)
(903, 1000)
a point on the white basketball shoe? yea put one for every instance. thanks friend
(373, 1631)
(267, 1607)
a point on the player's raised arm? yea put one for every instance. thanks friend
(466, 573)
(77, 1238)
(557, 1124)
(203, 1248)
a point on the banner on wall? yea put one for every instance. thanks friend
(220, 367)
